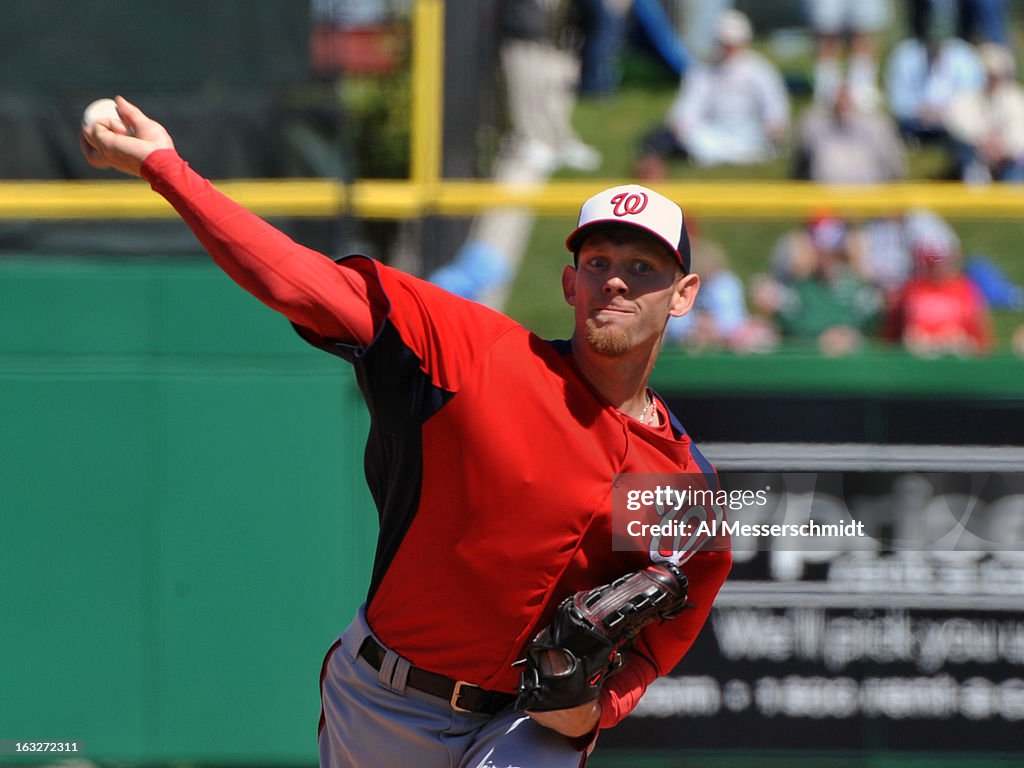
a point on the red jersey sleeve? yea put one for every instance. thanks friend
(341, 306)
(444, 332)
(303, 285)
(660, 647)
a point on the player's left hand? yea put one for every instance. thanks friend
(573, 722)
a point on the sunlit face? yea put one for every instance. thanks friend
(624, 288)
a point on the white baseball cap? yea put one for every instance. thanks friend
(632, 205)
(733, 28)
(930, 237)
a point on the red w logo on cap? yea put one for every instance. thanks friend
(629, 203)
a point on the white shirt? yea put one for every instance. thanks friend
(974, 116)
(913, 85)
(743, 94)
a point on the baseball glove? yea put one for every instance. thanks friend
(567, 662)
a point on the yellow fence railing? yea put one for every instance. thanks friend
(427, 193)
(411, 199)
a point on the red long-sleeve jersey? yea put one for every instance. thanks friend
(490, 458)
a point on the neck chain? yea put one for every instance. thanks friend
(649, 412)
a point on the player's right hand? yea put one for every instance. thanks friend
(108, 145)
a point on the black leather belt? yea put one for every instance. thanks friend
(462, 696)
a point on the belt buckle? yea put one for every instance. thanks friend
(454, 701)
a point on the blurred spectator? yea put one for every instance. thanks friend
(987, 125)
(846, 145)
(984, 21)
(732, 110)
(719, 318)
(698, 21)
(923, 76)
(859, 22)
(883, 255)
(541, 77)
(356, 13)
(939, 311)
(839, 143)
(876, 251)
(606, 24)
(816, 293)
(795, 254)
(659, 32)
(976, 20)
(603, 23)
(357, 36)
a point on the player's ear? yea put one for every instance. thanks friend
(685, 294)
(569, 284)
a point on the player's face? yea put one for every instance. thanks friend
(624, 288)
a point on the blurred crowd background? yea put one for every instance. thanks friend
(822, 91)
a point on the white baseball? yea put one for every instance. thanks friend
(102, 110)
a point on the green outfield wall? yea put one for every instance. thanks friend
(183, 518)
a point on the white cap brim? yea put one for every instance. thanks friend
(632, 205)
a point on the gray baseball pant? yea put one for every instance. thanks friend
(370, 719)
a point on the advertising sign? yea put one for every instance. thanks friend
(866, 609)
